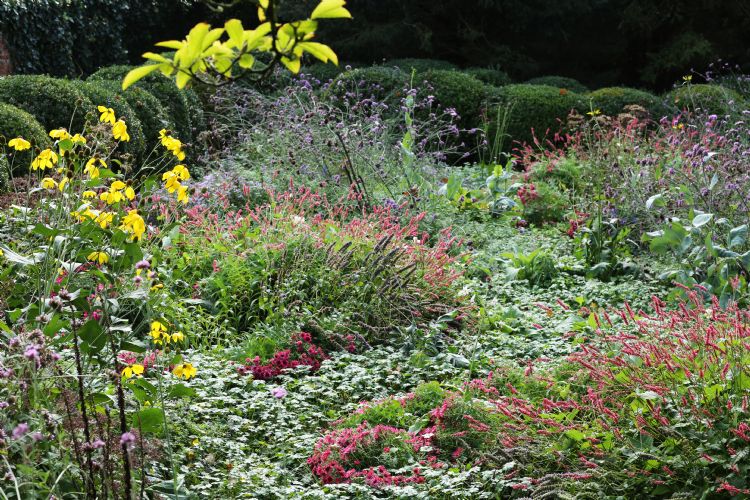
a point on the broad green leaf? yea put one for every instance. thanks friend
(149, 420)
(656, 200)
(320, 51)
(236, 32)
(331, 9)
(702, 219)
(138, 73)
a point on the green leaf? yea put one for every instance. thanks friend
(702, 219)
(137, 74)
(331, 9)
(181, 391)
(656, 200)
(92, 334)
(737, 236)
(575, 434)
(150, 420)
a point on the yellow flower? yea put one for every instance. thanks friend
(131, 370)
(88, 195)
(120, 131)
(49, 183)
(104, 219)
(594, 112)
(171, 181)
(182, 172)
(129, 193)
(185, 370)
(117, 186)
(60, 134)
(157, 286)
(91, 167)
(182, 194)
(178, 337)
(63, 183)
(172, 144)
(46, 159)
(111, 197)
(78, 139)
(157, 329)
(134, 224)
(19, 144)
(100, 257)
(688, 78)
(107, 114)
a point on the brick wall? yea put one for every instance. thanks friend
(5, 65)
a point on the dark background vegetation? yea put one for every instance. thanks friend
(640, 43)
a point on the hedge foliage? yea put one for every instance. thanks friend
(419, 65)
(710, 99)
(53, 102)
(612, 100)
(490, 76)
(517, 110)
(73, 37)
(381, 83)
(460, 91)
(16, 122)
(562, 82)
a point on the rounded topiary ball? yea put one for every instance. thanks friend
(562, 82)
(55, 103)
(14, 123)
(379, 83)
(407, 65)
(460, 91)
(709, 99)
(520, 112)
(490, 76)
(611, 101)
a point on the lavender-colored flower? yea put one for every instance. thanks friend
(127, 439)
(279, 392)
(143, 264)
(20, 431)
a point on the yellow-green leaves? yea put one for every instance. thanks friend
(137, 74)
(215, 54)
(331, 9)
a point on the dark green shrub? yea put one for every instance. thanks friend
(419, 65)
(379, 83)
(54, 103)
(565, 173)
(612, 100)
(710, 99)
(164, 89)
(150, 111)
(14, 123)
(100, 95)
(543, 204)
(461, 91)
(519, 109)
(562, 82)
(490, 76)
(322, 72)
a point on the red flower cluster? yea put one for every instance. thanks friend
(346, 454)
(527, 193)
(303, 353)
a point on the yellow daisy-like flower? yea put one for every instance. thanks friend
(92, 168)
(182, 172)
(117, 186)
(104, 219)
(120, 131)
(158, 329)
(184, 370)
(182, 195)
(111, 197)
(594, 112)
(178, 337)
(100, 257)
(78, 139)
(172, 144)
(130, 193)
(107, 114)
(131, 370)
(63, 183)
(45, 159)
(49, 183)
(134, 224)
(19, 144)
(88, 195)
(60, 134)
(171, 181)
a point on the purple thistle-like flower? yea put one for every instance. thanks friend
(20, 430)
